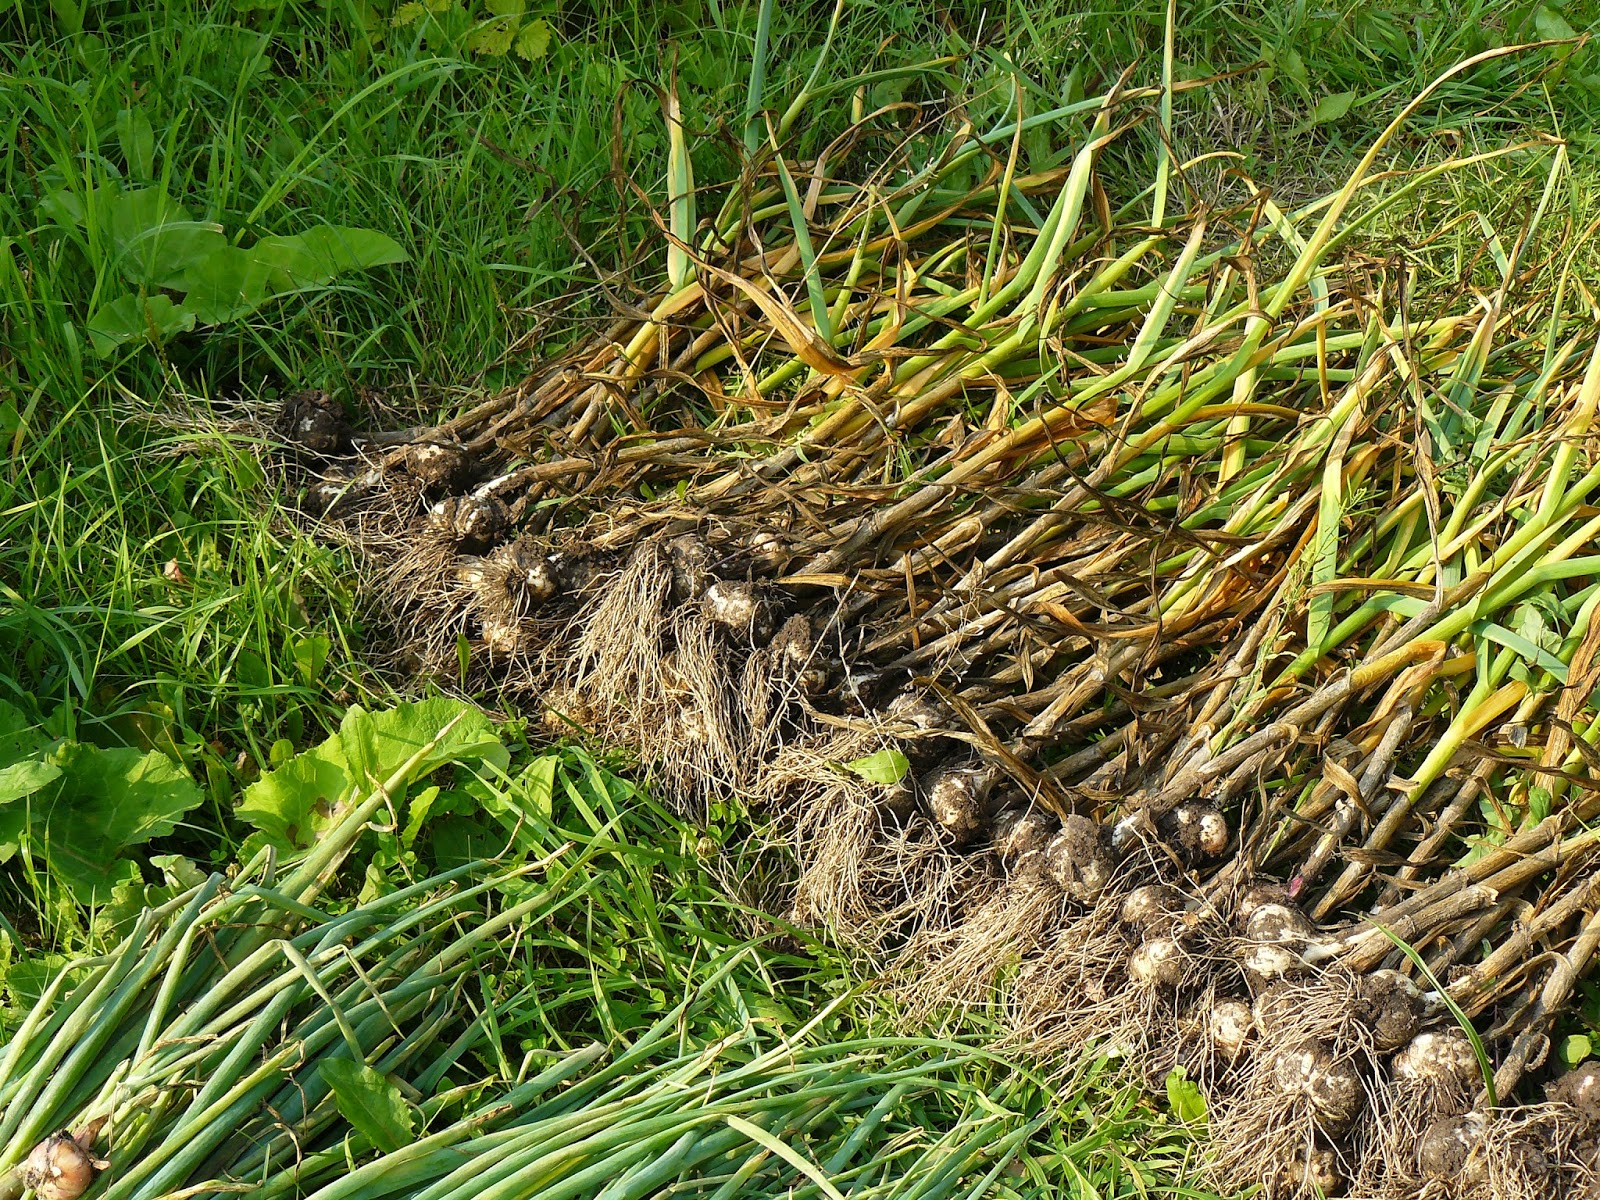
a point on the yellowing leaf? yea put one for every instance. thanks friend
(534, 41)
(407, 14)
(492, 40)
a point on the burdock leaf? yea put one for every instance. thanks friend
(378, 744)
(886, 766)
(322, 253)
(370, 1102)
(103, 802)
(129, 318)
(23, 778)
(293, 804)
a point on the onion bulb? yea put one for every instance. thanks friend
(64, 1165)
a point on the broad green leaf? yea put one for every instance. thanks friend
(23, 778)
(418, 811)
(508, 8)
(533, 43)
(179, 872)
(492, 40)
(538, 780)
(161, 257)
(133, 318)
(1551, 25)
(24, 769)
(311, 655)
(378, 744)
(456, 840)
(524, 811)
(292, 805)
(63, 207)
(1576, 1047)
(104, 802)
(130, 895)
(370, 1102)
(225, 285)
(1331, 108)
(886, 766)
(138, 142)
(320, 255)
(1187, 1101)
(1292, 65)
(127, 216)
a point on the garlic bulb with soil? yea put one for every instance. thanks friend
(1331, 1085)
(690, 559)
(1230, 1025)
(737, 608)
(1275, 936)
(1079, 860)
(1257, 895)
(1579, 1089)
(957, 797)
(1020, 831)
(438, 466)
(1392, 1008)
(1159, 962)
(1197, 832)
(1152, 906)
(1276, 1007)
(314, 421)
(1444, 1060)
(1279, 923)
(474, 522)
(1452, 1148)
(1317, 1174)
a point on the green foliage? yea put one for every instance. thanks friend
(178, 166)
(74, 811)
(497, 29)
(293, 806)
(1185, 1100)
(886, 766)
(156, 246)
(371, 1103)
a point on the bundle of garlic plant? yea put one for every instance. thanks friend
(242, 1040)
(1167, 608)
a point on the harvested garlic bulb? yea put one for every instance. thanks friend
(64, 1165)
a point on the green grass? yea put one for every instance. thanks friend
(151, 595)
